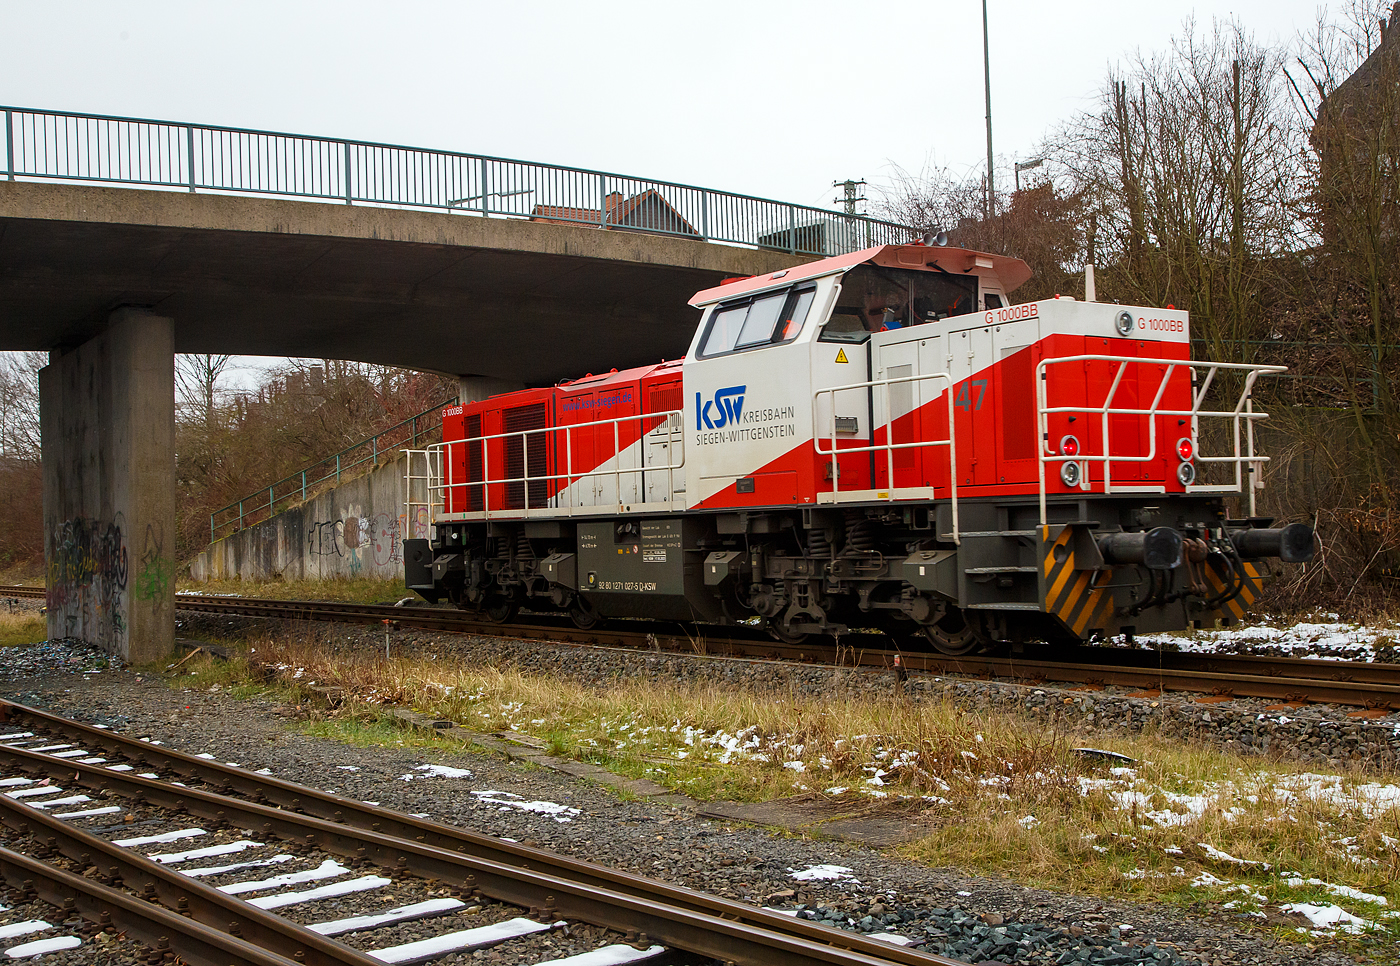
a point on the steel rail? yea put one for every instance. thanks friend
(448, 619)
(520, 875)
(1332, 682)
(1278, 687)
(1355, 683)
(174, 890)
(1319, 669)
(198, 944)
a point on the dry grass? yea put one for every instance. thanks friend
(997, 792)
(22, 628)
(358, 590)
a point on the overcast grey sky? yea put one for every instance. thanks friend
(775, 98)
(762, 97)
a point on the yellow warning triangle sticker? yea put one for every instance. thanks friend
(841, 356)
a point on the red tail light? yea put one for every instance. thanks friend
(1185, 449)
(1069, 446)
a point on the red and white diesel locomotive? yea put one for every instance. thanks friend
(876, 440)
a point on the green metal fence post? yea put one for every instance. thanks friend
(189, 150)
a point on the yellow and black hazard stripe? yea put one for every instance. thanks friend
(1221, 581)
(1080, 598)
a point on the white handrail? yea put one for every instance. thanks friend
(1244, 410)
(889, 446)
(430, 472)
(669, 419)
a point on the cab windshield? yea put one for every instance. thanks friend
(875, 298)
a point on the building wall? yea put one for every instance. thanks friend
(356, 529)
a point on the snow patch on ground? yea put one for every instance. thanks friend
(1325, 639)
(1329, 918)
(437, 771)
(507, 801)
(814, 873)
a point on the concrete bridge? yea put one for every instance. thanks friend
(124, 241)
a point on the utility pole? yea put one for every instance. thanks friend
(987, 80)
(851, 198)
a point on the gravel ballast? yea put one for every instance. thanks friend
(967, 917)
(1318, 735)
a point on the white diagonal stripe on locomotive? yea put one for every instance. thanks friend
(744, 411)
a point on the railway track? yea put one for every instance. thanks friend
(1375, 687)
(222, 865)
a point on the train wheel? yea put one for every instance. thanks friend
(583, 615)
(782, 633)
(499, 610)
(956, 634)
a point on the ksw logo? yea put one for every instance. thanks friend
(722, 410)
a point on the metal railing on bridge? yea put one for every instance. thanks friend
(63, 146)
(413, 433)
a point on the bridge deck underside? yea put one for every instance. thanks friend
(458, 294)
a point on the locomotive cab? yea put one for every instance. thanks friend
(769, 365)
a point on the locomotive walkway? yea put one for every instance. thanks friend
(125, 240)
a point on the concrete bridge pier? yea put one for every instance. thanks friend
(107, 413)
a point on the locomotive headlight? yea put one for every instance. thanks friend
(1069, 473)
(1069, 446)
(1185, 449)
(1186, 473)
(1123, 323)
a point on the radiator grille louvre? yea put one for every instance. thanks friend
(518, 420)
(472, 430)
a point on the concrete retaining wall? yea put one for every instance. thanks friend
(356, 529)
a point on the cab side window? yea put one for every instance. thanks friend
(770, 318)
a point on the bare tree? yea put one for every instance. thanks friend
(21, 473)
(1040, 223)
(1190, 164)
(197, 386)
(19, 404)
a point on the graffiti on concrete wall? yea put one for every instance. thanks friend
(87, 574)
(359, 540)
(323, 538)
(385, 539)
(157, 569)
(352, 535)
